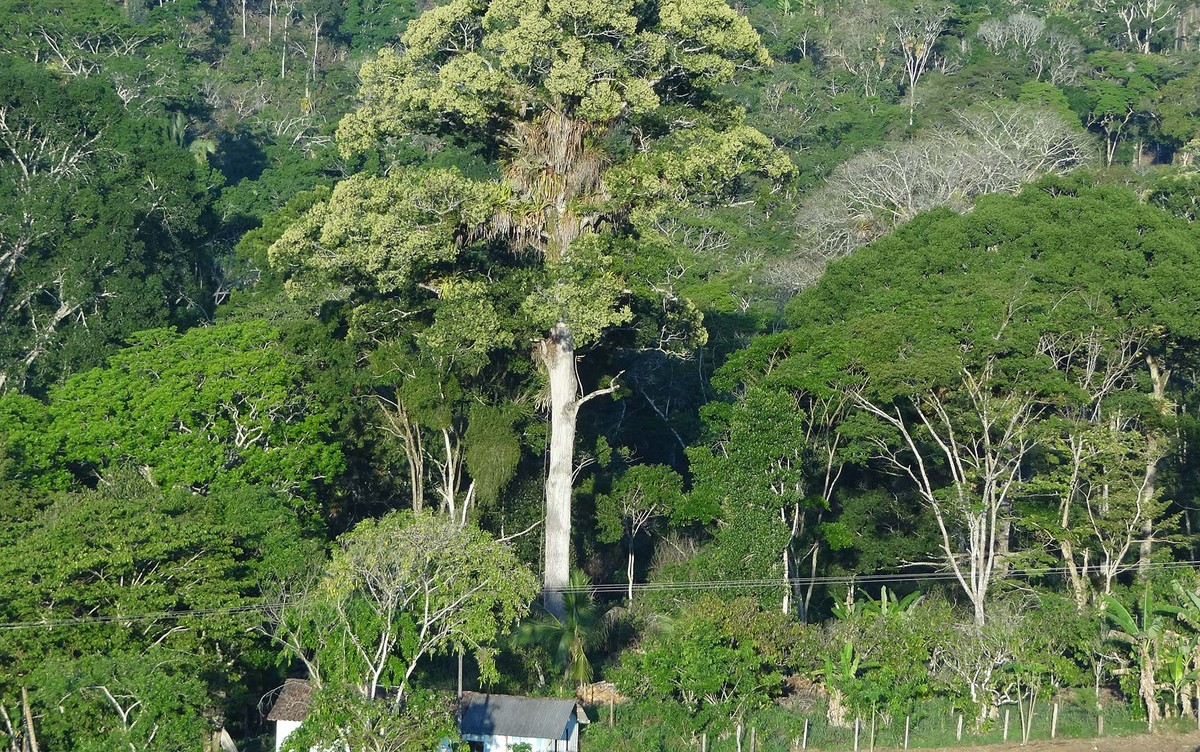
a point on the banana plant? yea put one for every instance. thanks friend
(1143, 635)
(841, 672)
(1179, 674)
(889, 604)
(1189, 615)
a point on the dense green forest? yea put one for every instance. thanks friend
(799, 361)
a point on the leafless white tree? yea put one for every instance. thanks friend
(1051, 55)
(976, 653)
(916, 33)
(994, 33)
(1144, 19)
(993, 149)
(1057, 59)
(857, 40)
(962, 448)
(1026, 31)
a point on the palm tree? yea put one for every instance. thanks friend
(583, 628)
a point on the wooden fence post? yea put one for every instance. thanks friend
(1054, 721)
(907, 719)
(1006, 724)
(753, 737)
(611, 702)
(1099, 725)
(959, 733)
(804, 744)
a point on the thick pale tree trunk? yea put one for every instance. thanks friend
(812, 582)
(1149, 487)
(629, 571)
(32, 735)
(789, 587)
(787, 581)
(316, 42)
(557, 353)
(1076, 575)
(1147, 687)
(287, 23)
(554, 169)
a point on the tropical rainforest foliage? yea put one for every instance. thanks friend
(812, 358)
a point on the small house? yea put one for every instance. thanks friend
(488, 723)
(501, 723)
(290, 709)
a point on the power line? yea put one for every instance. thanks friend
(608, 587)
(861, 579)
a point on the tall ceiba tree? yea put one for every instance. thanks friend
(601, 115)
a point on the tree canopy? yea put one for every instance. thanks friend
(215, 407)
(813, 351)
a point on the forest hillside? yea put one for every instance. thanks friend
(755, 372)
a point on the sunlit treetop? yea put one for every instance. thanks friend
(473, 65)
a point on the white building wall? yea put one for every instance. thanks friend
(282, 730)
(507, 743)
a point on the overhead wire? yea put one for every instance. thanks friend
(603, 588)
(852, 579)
